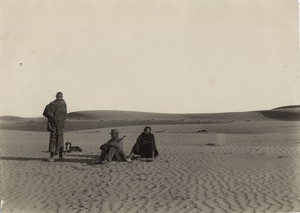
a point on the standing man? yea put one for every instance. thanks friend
(56, 112)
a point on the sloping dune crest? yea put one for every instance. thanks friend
(287, 113)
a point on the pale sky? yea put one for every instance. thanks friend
(150, 55)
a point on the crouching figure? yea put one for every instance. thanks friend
(145, 145)
(113, 149)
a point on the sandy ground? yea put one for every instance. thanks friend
(248, 167)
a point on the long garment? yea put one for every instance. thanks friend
(113, 150)
(145, 146)
(56, 114)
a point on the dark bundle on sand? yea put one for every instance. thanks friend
(202, 131)
(211, 144)
(70, 148)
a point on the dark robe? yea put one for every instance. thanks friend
(145, 146)
(56, 112)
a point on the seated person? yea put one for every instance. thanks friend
(145, 145)
(113, 149)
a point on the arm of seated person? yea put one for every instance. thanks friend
(114, 144)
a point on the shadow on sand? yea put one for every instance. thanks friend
(135, 158)
(86, 159)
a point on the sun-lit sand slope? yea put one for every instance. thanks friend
(243, 166)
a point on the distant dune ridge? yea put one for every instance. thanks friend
(109, 118)
(288, 107)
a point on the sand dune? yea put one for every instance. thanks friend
(234, 167)
(105, 118)
(290, 113)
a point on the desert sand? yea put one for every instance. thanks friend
(241, 166)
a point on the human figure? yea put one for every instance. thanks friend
(145, 145)
(56, 112)
(113, 149)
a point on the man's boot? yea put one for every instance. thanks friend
(60, 156)
(51, 159)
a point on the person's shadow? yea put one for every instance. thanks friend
(83, 158)
(136, 158)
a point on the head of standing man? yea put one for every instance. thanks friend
(59, 96)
